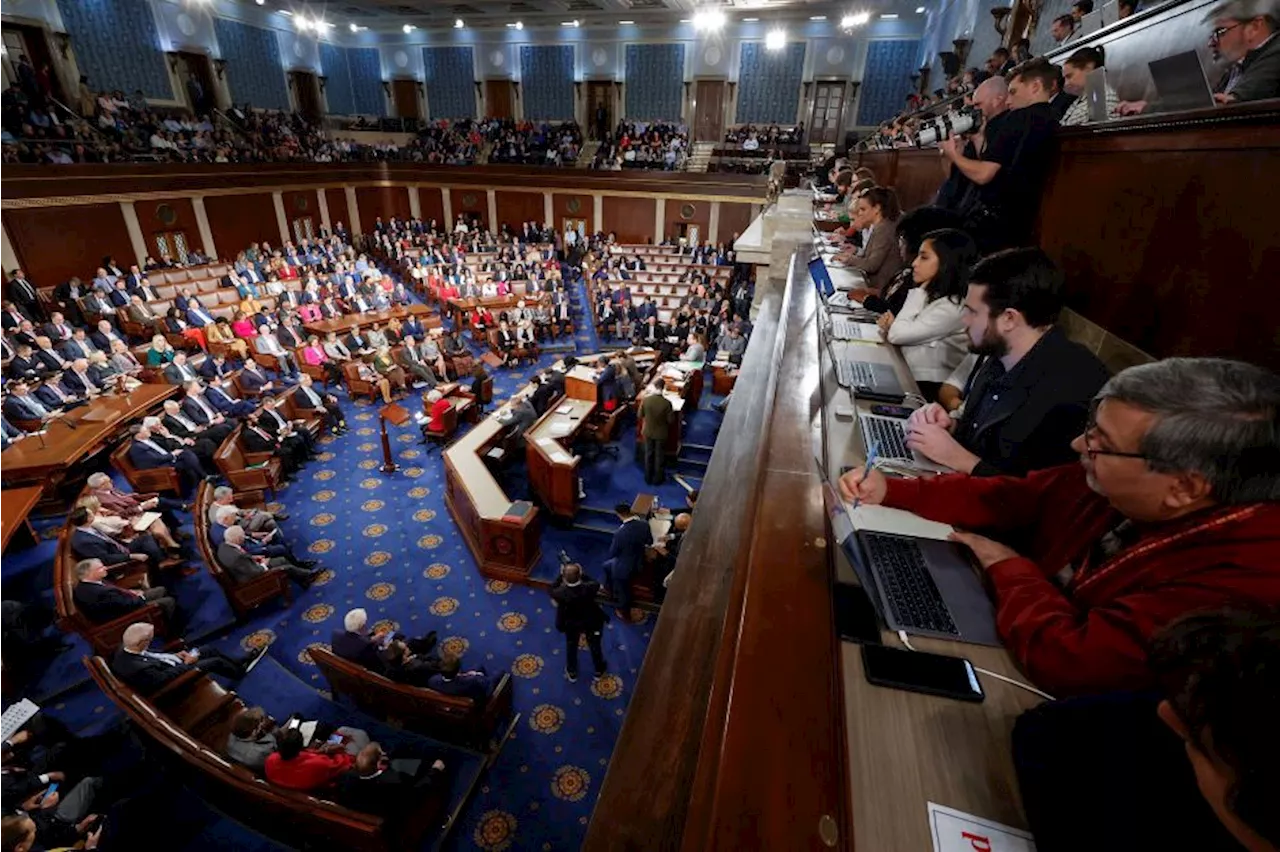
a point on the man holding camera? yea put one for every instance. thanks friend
(578, 614)
(1011, 169)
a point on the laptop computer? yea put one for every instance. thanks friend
(923, 587)
(1110, 13)
(1095, 94)
(827, 288)
(1180, 82)
(889, 436)
(1090, 23)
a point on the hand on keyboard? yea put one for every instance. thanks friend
(986, 551)
(933, 414)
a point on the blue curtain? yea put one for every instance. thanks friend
(769, 83)
(655, 81)
(886, 82)
(254, 70)
(337, 87)
(450, 74)
(546, 77)
(368, 96)
(117, 45)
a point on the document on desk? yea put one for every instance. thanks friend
(145, 520)
(896, 521)
(956, 831)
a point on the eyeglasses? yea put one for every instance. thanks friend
(1091, 437)
(1219, 32)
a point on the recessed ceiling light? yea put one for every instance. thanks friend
(519, 25)
(408, 28)
(261, 2)
(459, 24)
(572, 23)
(889, 16)
(749, 20)
(817, 17)
(776, 39)
(626, 23)
(683, 21)
(919, 10)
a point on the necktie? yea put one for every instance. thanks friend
(311, 395)
(100, 534)
(168, 659)
(56, 357)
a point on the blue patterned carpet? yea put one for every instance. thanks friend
(390, 546)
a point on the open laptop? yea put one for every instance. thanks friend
(1110, 13)
(827, 288)
(889, 436)
(1180, 82)
(923, 587)
(866, 379)
(1095, 95)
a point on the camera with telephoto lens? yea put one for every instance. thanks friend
(955, 123)
(564, 558)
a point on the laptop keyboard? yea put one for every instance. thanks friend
(843, 329)
(908, 586)
(854, 374)
(888, 436)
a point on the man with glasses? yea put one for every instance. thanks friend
(1244, 34)
(1173, 508)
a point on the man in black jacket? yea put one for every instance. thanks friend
(257, 439)
(243, 566)
(147, 671)
(578, 614)
(1031, 397)
(359, 645)
(377, 785)
(102, 601)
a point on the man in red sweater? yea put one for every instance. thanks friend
(298, 768)
(1174, 508)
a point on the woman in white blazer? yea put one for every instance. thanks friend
(930, 329)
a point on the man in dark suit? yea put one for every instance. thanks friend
(147, 671)
(258, 439)
(292, 435)
(453, 680)
(359, 645)
(21, 405)
(198, 409)
(178, 371)
(626, 557)
(374, 785)
(88, 542)
(57, 329)
(309, 399)
(53, 394)
(244, 566)
(253, 379)
(578, 615)
(403, 666)
(221, 395)
(651, 333)
(77, 346)
(202, 442)
(214, 366)
(47, 355)
(104, 334)
(102, 601)
(145, 453)
(23, 294)
(77, 381)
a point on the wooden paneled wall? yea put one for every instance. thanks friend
(237, 220)
(55, 243)
(630, 218)
(565, 206)
(515, 208)
(734, 219)
(336, 200)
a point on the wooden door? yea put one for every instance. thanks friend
(201, 95)
(600, 114)
(497, 99)
(828, 112)
(306, 91)
(32, 42)
(708, 111)
(404, 94)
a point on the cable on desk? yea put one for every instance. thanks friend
(902, 637)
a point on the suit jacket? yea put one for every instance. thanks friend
(474, 685)
(1259, 76)
(257, 443)
(146, 458)
(577, 608)
(253, 381)
(19, 408)
(75, 385)
(145, 674)
(174, 375)
(1026, 419)
(71, 349)
(880, 259)
(26, 368)
(208, 369)
(102, 602)
(197, 414)
(358, 649)
(239, 564)
(627, 547)
(386, 794)
(87, 545)
(50, 359)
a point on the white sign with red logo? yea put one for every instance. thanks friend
(956, 831)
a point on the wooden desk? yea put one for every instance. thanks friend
(342, 325)
(504, 549)
(15, 505)
(553, 468)
(906, 749)
(681, 394)
(580, 383)
(36, 458)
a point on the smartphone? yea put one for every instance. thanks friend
(899, 411)
(916, 671)
(336, 739)
(53, 788)
(293, 723)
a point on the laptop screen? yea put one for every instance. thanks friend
(821, 278)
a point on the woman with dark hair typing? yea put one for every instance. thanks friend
(1075, 72)
(879, 261)
(911, 230)
(930, 328)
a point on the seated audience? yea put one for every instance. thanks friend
(376, 784)
(359, 645)
(102, 601)
(296, 767)
(147, 671)
(1173, 508)
(254, 734)
(452, 679)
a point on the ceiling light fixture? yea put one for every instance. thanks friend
(519, 25)
(627, 23)
(817, 17)
(749, 20)
(572, 23)
(459, 24)
(850, 21)
(776, 39)
(919, 10)
(261, 2)
(709, 20)
(408, 28)
(286, 12)
(889, 16)
(353, 28)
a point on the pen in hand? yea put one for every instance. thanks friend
(872, 452)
